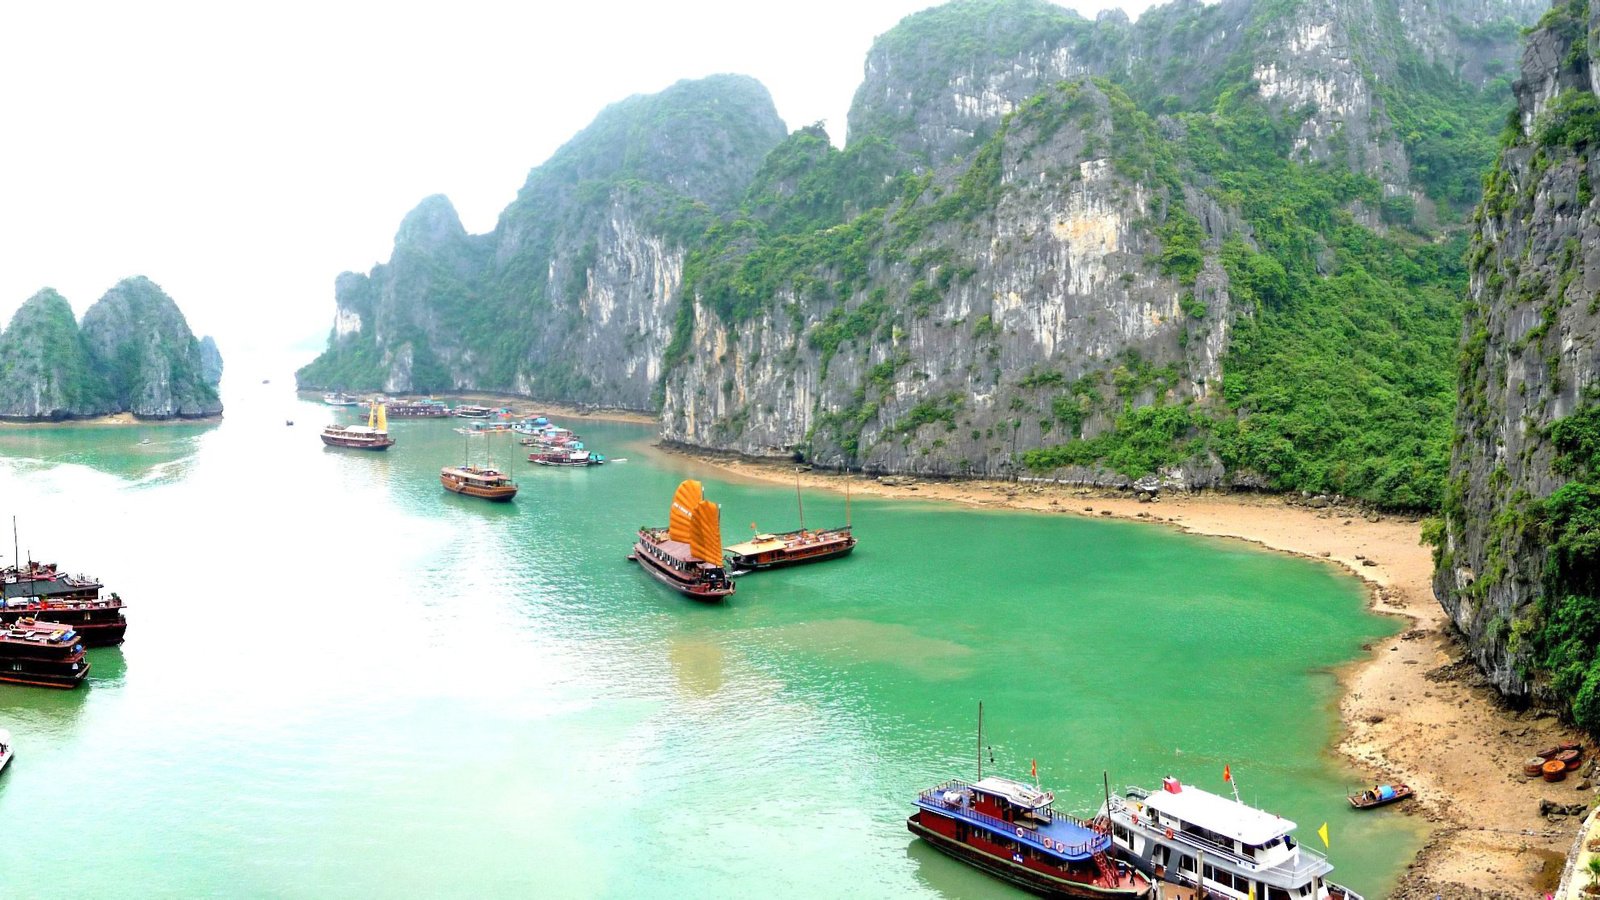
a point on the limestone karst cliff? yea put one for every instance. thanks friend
(571, 297)
(1519, 550)
(133, 353)
(1221, 244)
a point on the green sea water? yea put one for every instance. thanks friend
(340, 680)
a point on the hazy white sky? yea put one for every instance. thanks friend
(242, 156)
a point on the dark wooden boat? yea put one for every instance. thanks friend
(686, 556)
(476, 481)
(41, 591)
(43, 654)
(372, 436)
(1012, 831)
(1380, 795)
(792, 548)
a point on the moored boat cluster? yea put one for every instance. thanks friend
(48, 618)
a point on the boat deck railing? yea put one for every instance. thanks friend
(1019, 831)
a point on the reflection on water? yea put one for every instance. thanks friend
(863, 641)
(697, 664)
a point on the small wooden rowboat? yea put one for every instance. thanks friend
(1381, 795)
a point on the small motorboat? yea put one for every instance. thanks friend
(1380, 795)
(5, 748)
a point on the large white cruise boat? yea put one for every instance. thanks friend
(1181, 834)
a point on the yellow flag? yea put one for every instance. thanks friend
(1323, 833)
(1252, 892)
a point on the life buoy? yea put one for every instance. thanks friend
(1060, 847)
(1019, 831)
(1135, 818)
(1169, 834)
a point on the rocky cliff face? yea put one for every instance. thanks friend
(1518, 564)
(1221, 243)
(134, 353)
(210, 361)
(45, 370)
(573, 295)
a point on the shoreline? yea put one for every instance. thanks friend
(1413, 708)
(530, 406)
(115, 420)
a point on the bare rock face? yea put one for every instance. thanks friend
(1509, 571)
(210, 361)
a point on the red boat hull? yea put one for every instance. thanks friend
(798, 557)
(1034, 881)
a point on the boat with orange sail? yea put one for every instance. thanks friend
(791, 548)
(484, 482)
(372, 436)
(686, 556)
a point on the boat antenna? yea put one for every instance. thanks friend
(847, 499)
(980, 740)
(1232, 780)
(798, 501)
(1105, 776)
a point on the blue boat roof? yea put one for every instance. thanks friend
(1062, 836)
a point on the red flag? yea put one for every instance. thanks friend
(1036, 768)
(1227, 772)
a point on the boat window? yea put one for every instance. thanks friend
(1277, 893)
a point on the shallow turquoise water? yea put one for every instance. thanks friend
(342, 681)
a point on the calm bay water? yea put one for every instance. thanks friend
(342, 681)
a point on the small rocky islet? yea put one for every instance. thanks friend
(133, 353)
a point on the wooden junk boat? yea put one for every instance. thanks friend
(372, 436)
(791, 548)
(44, 654)
(40, 590)
(1010, 830)
(1380, 795)
(484, 482)
(686, 555)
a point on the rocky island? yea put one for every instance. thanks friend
(133, 353)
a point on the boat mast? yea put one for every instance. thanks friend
(980, 740)
(798, 501)
(847, 499)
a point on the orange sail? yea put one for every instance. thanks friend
(706, 543)
(680, 519)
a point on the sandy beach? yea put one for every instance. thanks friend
(1414, 710)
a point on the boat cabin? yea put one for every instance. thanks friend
(1184, 834)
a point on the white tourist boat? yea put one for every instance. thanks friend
(1181, 833)
(5, 749)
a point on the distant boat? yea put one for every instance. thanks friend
(484, 482)
(266, 381)
(5, 748)
(335, 398)
(575, 458)
(472, 412)
(791, 548)
(686, 555)
(372, 436)
(419, 409)
(1012, 830)
(1380, 795)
